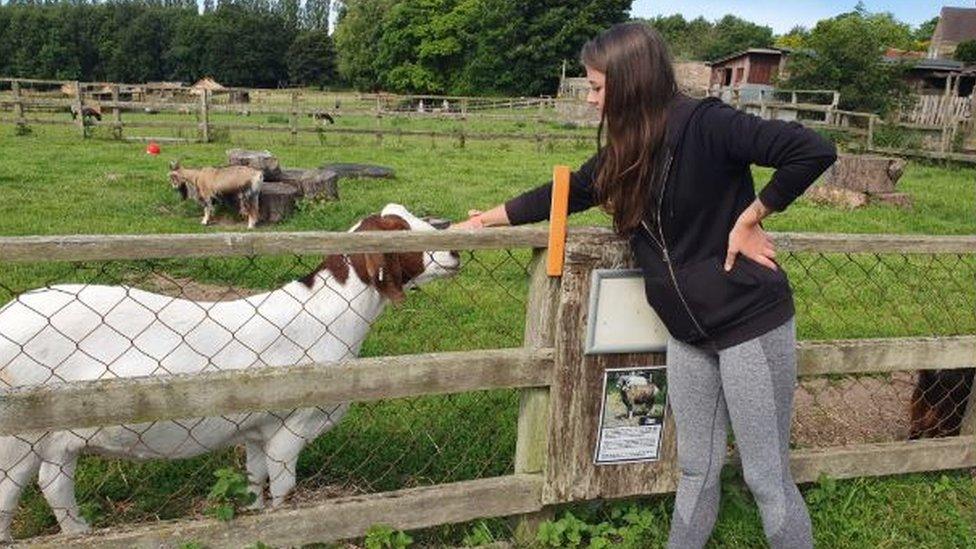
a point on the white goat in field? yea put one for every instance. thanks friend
(79, 332)
(206, 185)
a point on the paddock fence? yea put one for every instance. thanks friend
(471, 400)
(189, 114)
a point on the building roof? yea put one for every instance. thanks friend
(208, 83)
(750, 51)
(956, 25)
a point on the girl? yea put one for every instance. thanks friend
(674, 173)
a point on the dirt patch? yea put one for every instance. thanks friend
(852, 410)
(187, 288)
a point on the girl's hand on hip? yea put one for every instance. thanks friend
(748, 238)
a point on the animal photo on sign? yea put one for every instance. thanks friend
(634, 398)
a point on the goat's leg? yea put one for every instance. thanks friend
(282, 459)
(19, 462)
(207, 212)
(257, 471)
(57, 481)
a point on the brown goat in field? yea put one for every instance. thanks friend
(206, 185)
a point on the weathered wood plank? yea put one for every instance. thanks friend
(534, 403)
(576, 395)
(891, 458)
(849, 356)
(815, 242)
(533, 420)
(110, 247)
(333, 520)
(134, 400)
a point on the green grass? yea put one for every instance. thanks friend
(51, 182)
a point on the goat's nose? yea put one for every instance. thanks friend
(455, 254)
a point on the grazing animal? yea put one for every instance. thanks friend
(87, 112)
(323, 117)
(71, 333)
(637, 390)
(939, 402)
(207, 185)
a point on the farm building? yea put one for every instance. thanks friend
(956, 25)
(748, 71)
(217, 89)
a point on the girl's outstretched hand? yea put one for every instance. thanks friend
(472, 222)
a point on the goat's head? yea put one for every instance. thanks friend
(393, 272)
(177, 180)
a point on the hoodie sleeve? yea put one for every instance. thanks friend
(534, 205)
(799, 154)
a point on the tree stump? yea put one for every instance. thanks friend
(836, 196)
(320, 183)
(277, 201)
(865, 173)
(855, 181)
(259, 160)
(344, 169)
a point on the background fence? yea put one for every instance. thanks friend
(473, 398)
(940, 130)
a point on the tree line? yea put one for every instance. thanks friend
(238, 42)
(458, 47)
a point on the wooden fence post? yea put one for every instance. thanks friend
(79, 110)
(116, 113)
(18, 105)
(531, 446)
(205, 115)
(293, 122)
(870, 144)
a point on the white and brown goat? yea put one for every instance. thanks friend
(207, 185)
(68, 333)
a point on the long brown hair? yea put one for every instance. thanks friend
(640, 85)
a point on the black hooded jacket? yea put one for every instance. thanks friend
(708, 184)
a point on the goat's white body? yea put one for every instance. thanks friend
(72, 333)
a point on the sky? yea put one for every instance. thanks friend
(782, 15)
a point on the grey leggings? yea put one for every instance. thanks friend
(751, 384)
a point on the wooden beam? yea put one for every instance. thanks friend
(334, 520)
(112, 247)
(143, 399)
(890, 458)
(852, 356)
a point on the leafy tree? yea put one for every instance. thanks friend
(311, 59)
(966, 52)
(845, 53)
(732, 34)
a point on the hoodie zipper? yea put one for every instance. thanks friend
(663, 245)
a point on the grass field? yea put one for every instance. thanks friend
(52, 182)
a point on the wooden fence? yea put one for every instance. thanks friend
(293, 106)
(815, 108)
(559, 386)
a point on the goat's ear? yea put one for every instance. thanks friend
(174, 165)
(386, 275)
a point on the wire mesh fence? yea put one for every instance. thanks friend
(871, 295)
(62, 322)
(102, 320)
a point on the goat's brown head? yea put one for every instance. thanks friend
(177, 180)
(391, 272)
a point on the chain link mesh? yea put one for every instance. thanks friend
(338, 449)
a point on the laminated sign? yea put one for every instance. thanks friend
(632, 415)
